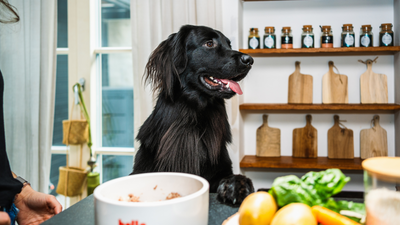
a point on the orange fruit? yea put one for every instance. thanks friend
(257, 208)
(294, 214)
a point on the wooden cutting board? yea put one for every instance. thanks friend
(373, 86)
(305, 141)
(268, 140)
(300, 87)
(373, 141)
(340, 141)
(334, 87)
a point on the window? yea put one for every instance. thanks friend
(111, 81)
(114, 59)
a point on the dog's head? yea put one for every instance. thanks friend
(197, 60)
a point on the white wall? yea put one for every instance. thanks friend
(267, 82)
(232, 29)
(317, 12)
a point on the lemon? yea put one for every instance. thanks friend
(294, 214)
(257, 208)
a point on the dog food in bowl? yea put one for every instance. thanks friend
(133, 198)
(173, 195)
(176, 198)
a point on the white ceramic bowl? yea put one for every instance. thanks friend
(153, 209)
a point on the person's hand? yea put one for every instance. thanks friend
(35, 207)
(4, 218)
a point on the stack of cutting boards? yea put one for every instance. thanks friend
(373, 141)
(373, 87)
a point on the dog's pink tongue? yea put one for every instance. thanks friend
(232, 85)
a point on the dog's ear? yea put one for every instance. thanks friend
(166, 63)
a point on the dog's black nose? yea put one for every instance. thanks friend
(246, 59)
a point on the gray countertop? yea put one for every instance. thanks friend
(82, 213)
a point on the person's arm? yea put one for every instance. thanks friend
(4, 219)
(35, 207)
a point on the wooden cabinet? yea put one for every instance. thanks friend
(265, 88)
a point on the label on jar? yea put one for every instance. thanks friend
(254, 43)
(349, 40)
(327, 39)
(308, 41)
(269, 42)
(365, 40)
(287, 40)
(386, 39)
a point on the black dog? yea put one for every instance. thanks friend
(192, 72)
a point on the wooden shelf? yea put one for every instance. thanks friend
(289, 162)
(391, 50)
(322, 108)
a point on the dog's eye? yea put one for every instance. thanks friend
(209, 44)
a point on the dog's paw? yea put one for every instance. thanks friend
(232, 190)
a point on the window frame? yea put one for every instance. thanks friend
(84, 45)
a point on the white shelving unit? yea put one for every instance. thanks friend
(267, 82)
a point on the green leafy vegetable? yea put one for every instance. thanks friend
(326, 183)
(314, 188)
(352, 206)
(290, 189)
(338, 206)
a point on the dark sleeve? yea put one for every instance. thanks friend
(9, 186)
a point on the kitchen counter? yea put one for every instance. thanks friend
(82, 213)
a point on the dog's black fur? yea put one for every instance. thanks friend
(188, 130)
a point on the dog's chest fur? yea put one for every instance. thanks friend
(189, 138)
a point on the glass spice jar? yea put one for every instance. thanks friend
(386, 35)
(326, 37)
(348, 39)
(307, 37)
(382, 190)
(269, 37)
(254, 39)
(286, 38)
(366, 36)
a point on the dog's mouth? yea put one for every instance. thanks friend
(225, 85)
